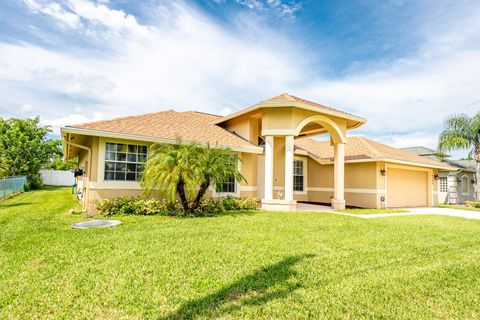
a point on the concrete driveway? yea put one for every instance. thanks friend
(475, 215)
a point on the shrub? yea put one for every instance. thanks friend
(249, 203)
(33, 182)
(473, 204)
(152, 207)
(139, 206)
(230, 203)
(123, 205)
(209, 207)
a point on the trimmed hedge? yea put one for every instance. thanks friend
(140, 206)
(473, 204)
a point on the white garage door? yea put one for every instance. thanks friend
(407, 188)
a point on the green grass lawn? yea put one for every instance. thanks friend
(451, 206)
(265, 265)
(371, 211)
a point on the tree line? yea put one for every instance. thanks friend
(25, 148)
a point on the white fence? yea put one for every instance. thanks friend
(57, 178)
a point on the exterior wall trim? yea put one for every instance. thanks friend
(115, 185)
(278, 132)
(388, 160)
(347, 190)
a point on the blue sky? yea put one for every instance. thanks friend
(403, 65)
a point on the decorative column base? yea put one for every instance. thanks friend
(279, 205)
(338, 204)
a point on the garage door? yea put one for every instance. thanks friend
(407, 188)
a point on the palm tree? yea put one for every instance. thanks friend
(169, 169)
(215, 165)
(462, 132)
(178, 169)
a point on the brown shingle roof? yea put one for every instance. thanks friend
(285, 97)
(207, 116)
(358, 148)
(187, 126)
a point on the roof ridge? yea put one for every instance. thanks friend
(367, 143)
(121, 118)
(201, 112)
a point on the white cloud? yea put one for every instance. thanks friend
(56, 11)
(183, 60)
(225, 112)
(286, 9)
(26, 108)
(57, 123)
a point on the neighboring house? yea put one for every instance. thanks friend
(455, 187)
(282, 164)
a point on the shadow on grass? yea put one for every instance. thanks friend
(236, 213)
(52, 188)
(16, 204)
(269, 283)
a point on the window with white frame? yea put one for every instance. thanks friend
(443, 182)
(298, 177)
(227, 186)
(465, 187)
(124, 162)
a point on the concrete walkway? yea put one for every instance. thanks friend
(307, 207)
(475, 215)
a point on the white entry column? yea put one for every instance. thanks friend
(289, 151)
(269, 167)
(338, 201)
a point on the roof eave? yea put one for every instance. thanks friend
(127, 136)
(390, 160)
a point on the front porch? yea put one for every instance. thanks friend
(278, 122)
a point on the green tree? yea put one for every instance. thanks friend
(214, 166)
(58, 163)
(463, 132)
(178, 169)
(26, 147)
(4, 168)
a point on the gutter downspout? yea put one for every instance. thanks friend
(87, 187)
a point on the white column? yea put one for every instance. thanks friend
(289, 149)
(268, 168)
(339, 177)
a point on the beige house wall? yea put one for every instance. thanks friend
(361, 188)
(364, 184)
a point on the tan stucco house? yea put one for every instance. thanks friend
(280, 160)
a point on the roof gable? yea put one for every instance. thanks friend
(288, 100)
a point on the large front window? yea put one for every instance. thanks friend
(124, 162)
(298, 175)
